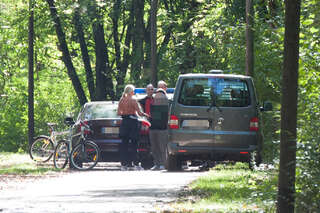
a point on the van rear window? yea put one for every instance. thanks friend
(221, 92)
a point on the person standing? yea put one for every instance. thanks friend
(159, 122)
(147, 101)
(128, 109)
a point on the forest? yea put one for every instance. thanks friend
(87, 50)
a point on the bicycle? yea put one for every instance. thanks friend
(84, 156)
(42, 148)
(62, 150)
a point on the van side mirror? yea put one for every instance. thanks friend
(267, 106)
(69, 121)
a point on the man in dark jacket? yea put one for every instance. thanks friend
(159, 122)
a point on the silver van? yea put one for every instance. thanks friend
(214, 117)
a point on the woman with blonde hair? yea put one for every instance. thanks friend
(128, 109)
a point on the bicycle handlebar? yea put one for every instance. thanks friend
(84, 124)
(85, 127)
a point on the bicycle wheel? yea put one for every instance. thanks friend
(41, 149)
(61, 154)
(85, 155)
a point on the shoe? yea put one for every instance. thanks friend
(161, 167)
(138, 168)
(155, 168)
(124, 168)
(130, 168)
(185, 167)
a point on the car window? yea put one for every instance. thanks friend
(97, 111)
(222, 92)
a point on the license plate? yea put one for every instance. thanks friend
(110, 130)
(196, 124)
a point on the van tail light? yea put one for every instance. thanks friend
(244, 153)
(254, 124)
(173, 122)
(145, 125)
(83, 128)
(142, 150)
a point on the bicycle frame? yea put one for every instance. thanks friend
(85, 151)
(54, 133)
(43, 146)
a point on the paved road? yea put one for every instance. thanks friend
(106, 189)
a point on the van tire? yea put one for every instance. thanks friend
(172, 162)
(147, 163)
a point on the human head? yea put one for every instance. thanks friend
(162, 85)
(160, 90)
(149, 90)
(128, 90)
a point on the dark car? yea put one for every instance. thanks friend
(214, 117)
(102, 118)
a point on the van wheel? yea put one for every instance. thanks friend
(172, 163)
(147, 163)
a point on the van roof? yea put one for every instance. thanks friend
(192, 75)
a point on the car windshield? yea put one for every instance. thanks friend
(220, 92)
(97, 111)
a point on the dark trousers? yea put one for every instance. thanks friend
(129, 134)
(128, 152)
(158, 141)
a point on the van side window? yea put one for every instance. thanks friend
(225, 92)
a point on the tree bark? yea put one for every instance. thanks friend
(116, 40)
(85, 54)
(115, 24)
(153, 38)
(126, 54)
(30, 75)
(66, 58)
(249, 38)
(104, 84)
(137, 45)
(288, 137)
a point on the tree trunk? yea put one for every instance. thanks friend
(122, 66)
(249, 38)
(66, 58)
(85, 54)
(153, 38)
(167, 34)
(126, 54)
(30, 76)
(115, 24)
(104, 85)
(137, 46)
(288, 137)
(147, 48)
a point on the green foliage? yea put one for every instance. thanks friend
(54, 95)
(271, 143)
(308, 172)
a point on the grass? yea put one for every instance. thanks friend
(21, 164)
(230, 188)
